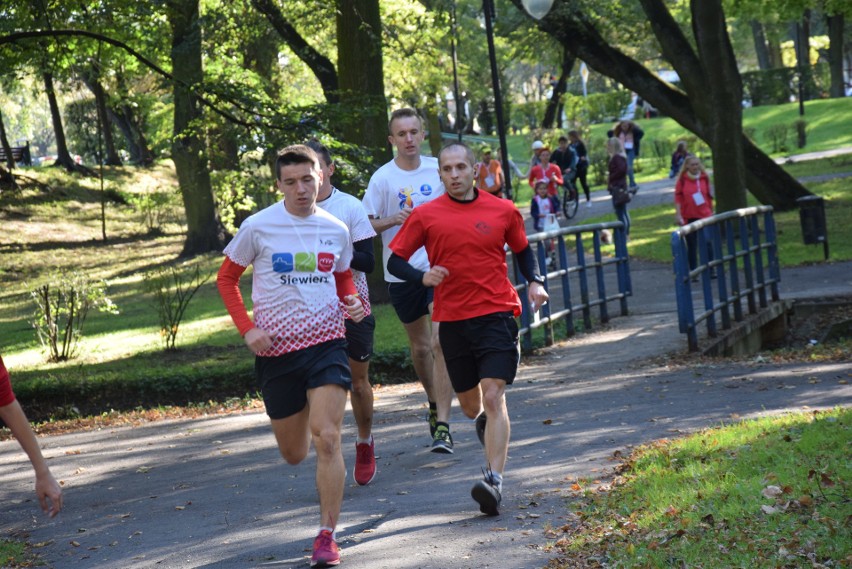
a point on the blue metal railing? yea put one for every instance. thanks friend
(577, 287)
(739, 254)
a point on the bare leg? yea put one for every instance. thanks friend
(292, 436)
(490, 394)
(442, 388)
(362, 397)
(419, 340)
(327, 404)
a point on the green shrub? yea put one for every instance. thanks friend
(776, 135)
(62, 305)
(155, 209)
(173, 289)
(238, 195)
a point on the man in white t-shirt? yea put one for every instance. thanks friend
(394, 191)
(359, 335)
(300, 255)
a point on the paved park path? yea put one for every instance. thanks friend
(213, 492)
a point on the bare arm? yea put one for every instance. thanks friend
(47, 489)
(383, 224)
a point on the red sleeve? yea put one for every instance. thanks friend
(345, 284)
(7, 396)
(516, 236)
(678, 194)
(410, 237)
(228, 283)
(535, 174)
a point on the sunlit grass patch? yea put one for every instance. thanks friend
(770, 492)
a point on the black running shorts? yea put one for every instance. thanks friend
(284, 380)
(485, 346)
(359, 338)
(410, 300)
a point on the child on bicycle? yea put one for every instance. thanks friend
(544, 210)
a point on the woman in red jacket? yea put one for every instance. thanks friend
(693, 201)
(549, 172)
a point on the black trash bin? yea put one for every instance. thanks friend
(812, 217)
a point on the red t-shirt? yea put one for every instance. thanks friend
(6, 394)
(468, 239)
(553, 175)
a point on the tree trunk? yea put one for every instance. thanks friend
(92, 81)
(204, 230)
(765, 179)
(320, 65)
(7, 148)
(835, 54)
(802, 45)
(720, 103)
(552, 114)
(760, 46)
(63, 157)
(362, 93)
(434, 126)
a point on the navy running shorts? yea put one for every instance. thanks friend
(284, 380)
(411, 300)
(359, 338)
(484, 346)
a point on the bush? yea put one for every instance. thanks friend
(62, 305)
(239, 194)
(155, 209)
(776, 135)
(173, 290)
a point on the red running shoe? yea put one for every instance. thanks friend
(326, 553)
(365, 462)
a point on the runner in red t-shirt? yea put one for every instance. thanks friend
(464, 232)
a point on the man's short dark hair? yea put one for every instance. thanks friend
(295, 154)
(563, 138)
(321, 150)
(468, 151)
(402, 113)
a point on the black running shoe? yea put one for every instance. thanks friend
(480, 427)
(442, 442)
(487, 496)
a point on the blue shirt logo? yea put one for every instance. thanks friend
(283, 262)
(425, 189)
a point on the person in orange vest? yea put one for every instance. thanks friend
(489, 174)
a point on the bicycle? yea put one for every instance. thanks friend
(570, 199)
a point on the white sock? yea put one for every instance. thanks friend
(361, 441)
(497, 480)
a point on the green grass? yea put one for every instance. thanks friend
(771, 492)
(651, 227)
(825, 132)
(13, 554)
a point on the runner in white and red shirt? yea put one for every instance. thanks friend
(300, 255)
(359, 335)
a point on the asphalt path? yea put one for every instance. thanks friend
(213, 492)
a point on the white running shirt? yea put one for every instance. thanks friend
(348, 209)
(293, 288)
(390, 189)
